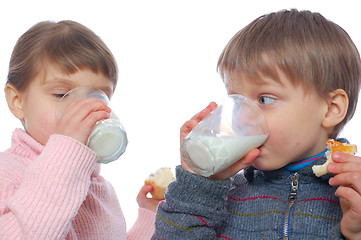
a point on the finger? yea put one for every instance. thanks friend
(93, 107)
(186, 129)
(79, 110)
(343, 163)
(350, 179)
(79, 104)
(251, 156)
(190, 124)
(243, 163)
(185, 166)
(145, 190)
(94, 117)
(211, 106)
(80, 117)
(349, 194)
(337, 168)
(340, 157)
(246, 161)
(202, 114)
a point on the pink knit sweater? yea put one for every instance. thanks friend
(56, 192)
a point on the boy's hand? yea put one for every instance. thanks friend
(190, 124)
(230, 171)
(144, 201)
(80, 116)
(347, 170)
(244, 162)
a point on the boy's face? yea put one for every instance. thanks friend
(41, 97)
(294, 117)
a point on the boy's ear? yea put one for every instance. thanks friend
(14, 100)
(337, 108)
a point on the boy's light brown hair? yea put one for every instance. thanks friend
(311, 50)
(67, 44)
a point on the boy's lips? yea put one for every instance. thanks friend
(261, 150)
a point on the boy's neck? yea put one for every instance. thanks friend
(295, 166)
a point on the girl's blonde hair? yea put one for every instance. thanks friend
(67, 44)
(311, 50)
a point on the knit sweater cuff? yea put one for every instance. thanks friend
(53, 188)
(63, 154)
(198, 189)
(143, 227)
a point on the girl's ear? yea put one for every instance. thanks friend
(337, 108)
(14, 100)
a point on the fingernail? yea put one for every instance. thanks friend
(330, 181)
(331, 166)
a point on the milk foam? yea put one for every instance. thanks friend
(208, 155)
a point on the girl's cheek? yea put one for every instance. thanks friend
(47, 121)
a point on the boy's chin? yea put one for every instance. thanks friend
(265, 165)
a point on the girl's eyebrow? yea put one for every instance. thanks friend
(57, 81)
(108, 90)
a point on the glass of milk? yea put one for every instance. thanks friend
(225, 136)
(108, 138)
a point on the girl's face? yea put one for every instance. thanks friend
(40, 99)
(294, 118)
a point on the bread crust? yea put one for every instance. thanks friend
(333, 146)
(157, 192)
(164, 177)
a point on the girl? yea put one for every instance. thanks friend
(50, 187)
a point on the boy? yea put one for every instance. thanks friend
(304, 73)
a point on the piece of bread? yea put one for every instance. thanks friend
(159, 180)
(333, 146)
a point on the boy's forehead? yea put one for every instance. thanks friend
(238, 83)
(235, 81)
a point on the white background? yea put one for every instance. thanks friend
(167, 53)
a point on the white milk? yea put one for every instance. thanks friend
(207, 155)
(108, 140)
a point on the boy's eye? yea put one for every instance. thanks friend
(266, 100)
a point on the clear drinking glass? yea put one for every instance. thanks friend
(108, 138)
(225, 136)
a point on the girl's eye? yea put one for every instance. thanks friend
(266, 100)
(59, 95)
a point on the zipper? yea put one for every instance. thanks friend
(291, 200)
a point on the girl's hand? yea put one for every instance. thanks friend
(80, 116)
(347, 170)
(144, 201)
(230, 171)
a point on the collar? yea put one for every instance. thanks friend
(296, 166)
(24, 145)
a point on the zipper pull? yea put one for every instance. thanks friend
(291, 200)
(294, 187)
